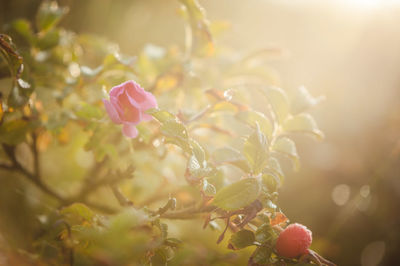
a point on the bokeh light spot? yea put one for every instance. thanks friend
(364, 191)
(341, 194)
(373, 253)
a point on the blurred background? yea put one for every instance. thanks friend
(348, 188)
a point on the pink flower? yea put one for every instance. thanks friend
(127, 105)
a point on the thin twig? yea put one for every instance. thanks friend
(6, 166)
(123, 201)
(187, 213)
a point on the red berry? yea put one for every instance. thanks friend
(294, 241)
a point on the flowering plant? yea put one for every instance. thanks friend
(213, 151)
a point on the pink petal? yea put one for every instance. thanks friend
(114, 102)
(132, 111)
(112, 112)
(150, 101)
(135, 91)
(117, 90)
(130, 131)
(145, 99)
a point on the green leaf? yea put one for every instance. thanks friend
(160, 115)
(21, 89)
(176, 133)
(279, 102)
(274, 167)
(267, 203)
(173, 242)
(162, 255)
(238, 195)
(261, 256)
(19, 93)
(201, 42)
(303, 123)
(287, 147)
(230, 156)
(265, 233)
(13, 132)
(88, 112)
(198, 169)
(270, 182)
(198, 151)
(172, 128)
(216, 179)
(10, 54)
(255, 149)
(208, 188)
(241, 239)
(251, 118)
(49, 40)
(49, 15)
(80, 210)
(23, 28)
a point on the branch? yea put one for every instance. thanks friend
(123, 201)
(187, 213)
(6, 166)
(33, 177)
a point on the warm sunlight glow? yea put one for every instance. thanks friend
(371, 4)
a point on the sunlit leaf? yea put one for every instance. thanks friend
(198, 168)
(162, 255)
(255, 149)
(198, 151)
(303, 123)
(261, 256)
(278, 218)
(274, 168)
(10, 54)
(287, 147)
(241, 239)
(161, 115)
(173, 128)
(176, 133)
(48, 40)
(201, 42)
(49, 15)
(279, 102)
(265, 233)
(238, 194)
(230, 156)
(253, 117)
(80, 210)
(224, 107)
(268, 204)
(270, 182)
(208, 188)
(23, 28)
(173, 242)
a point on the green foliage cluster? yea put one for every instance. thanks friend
(213, 151)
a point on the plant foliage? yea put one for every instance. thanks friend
(213, 150)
